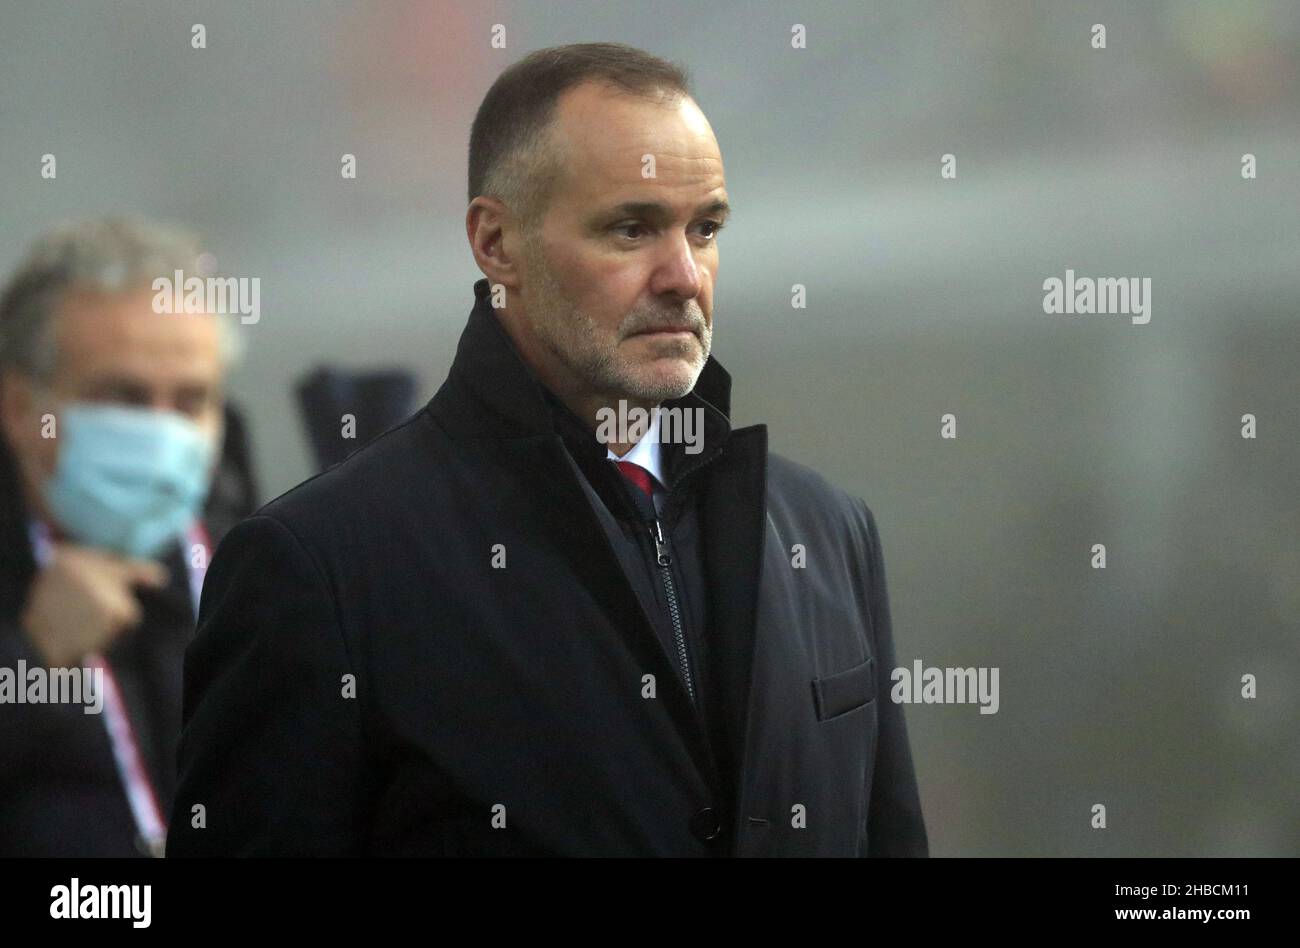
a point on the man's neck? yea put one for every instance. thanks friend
(587, 406)
(593, 410)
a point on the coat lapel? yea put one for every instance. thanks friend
(567, 519)
(733, 514)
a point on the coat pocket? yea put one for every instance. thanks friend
(843, 691)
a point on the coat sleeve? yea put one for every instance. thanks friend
(895, 826)
(270, 751)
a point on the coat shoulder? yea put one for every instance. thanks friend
(803, 503)
(797, 485)
(379, 474)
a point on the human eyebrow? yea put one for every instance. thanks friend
(719, 209)
(118, 388)
(655, 211)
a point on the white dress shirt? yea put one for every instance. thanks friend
(648, 454)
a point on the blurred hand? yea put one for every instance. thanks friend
(83, 599)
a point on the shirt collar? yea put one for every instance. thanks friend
(647, 452)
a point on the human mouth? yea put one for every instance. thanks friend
(665, 332)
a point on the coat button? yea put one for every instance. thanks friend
(705, 825)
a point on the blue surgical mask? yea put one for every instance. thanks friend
(128, 479)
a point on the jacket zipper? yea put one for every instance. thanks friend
(663, 556)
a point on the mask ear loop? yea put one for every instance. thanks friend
(42, 390)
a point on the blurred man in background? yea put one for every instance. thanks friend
(112, 420)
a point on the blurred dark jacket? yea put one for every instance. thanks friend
(60, 794)
(373, 400)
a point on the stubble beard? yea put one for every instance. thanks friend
(591, 354)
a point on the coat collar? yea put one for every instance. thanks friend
(516, 404)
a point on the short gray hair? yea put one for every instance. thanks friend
(513, 155)
(109, 255)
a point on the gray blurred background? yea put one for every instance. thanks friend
(1118, 686)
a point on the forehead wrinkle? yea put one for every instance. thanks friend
(600, 160)
(684, 170)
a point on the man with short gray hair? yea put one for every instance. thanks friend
(112, 418)
(516, 625)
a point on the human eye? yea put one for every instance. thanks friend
(629, 225)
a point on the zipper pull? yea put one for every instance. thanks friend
(662, 553)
